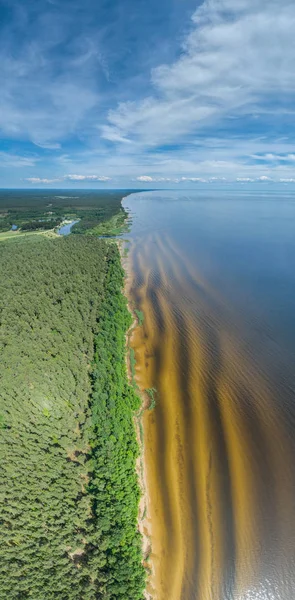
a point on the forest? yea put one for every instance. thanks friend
(44, 209)
(69, 491)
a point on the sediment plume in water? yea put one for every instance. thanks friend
(214, 446)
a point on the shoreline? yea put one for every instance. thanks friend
(144, 502)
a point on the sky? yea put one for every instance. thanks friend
(144, 94)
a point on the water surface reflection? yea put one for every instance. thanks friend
(215, 279)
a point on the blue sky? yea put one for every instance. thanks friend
(158, 93)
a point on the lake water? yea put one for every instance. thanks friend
(215, 277)
(66, 229)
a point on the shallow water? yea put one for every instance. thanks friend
(215, 278)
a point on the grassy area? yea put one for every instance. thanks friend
(19, 236)
(151, 392)
(140, 316)
(116, 225)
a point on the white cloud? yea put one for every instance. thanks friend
(86, 178)
(194, 179)
(48, 145)
(287, 180)
(274, 157)
(144, 178)
(166, 179)
(227, 68)
(245, 179)
(110, 133)
(264, 178)
(68, 178)
(207, 158)
(148, 179)
(40, 180)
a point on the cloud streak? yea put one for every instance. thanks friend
(8, 159)
(86, 178)
(40, 180)
(73, 178)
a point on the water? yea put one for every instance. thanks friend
(215, 278)
(66, 229)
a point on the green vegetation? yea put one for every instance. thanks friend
(140, 316)
(19, 236)
(151, 392)
(115, 447)
(132, 366)
(126, 251)
(41, 224)
(69, 493)
(44, 209)
(112, 227)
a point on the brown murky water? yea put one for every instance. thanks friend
(215, 280)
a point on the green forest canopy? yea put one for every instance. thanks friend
(46, 209)
(69, 492)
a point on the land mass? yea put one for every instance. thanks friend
(99, 212)
(70, 491)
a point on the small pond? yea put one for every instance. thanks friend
(66, 228)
